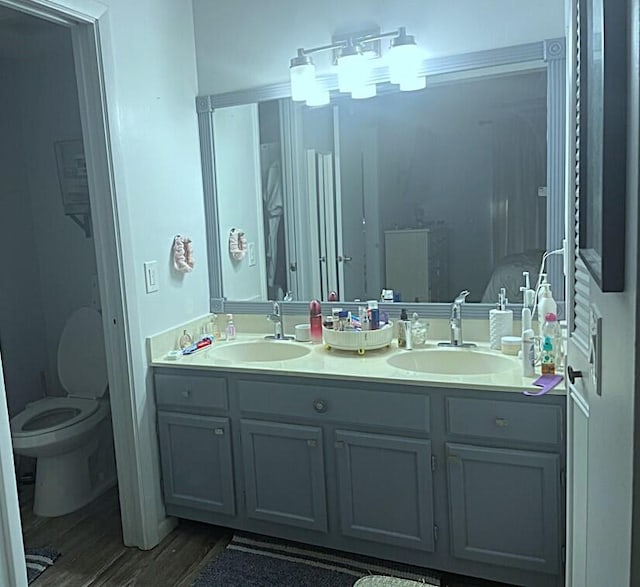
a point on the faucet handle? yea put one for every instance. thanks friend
(460, 298)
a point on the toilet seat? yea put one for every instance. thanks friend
(82, 370)
(51, 414)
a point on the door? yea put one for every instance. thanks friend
(284, 474)
(601, 354)
(358, 231)
(197, 469)
(385, 489)
(493, 494)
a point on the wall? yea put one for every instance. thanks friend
(149, 73)
(150, 86)
(22, 324)
(65, 257)
(258, 39)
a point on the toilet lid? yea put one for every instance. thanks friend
(82, 365)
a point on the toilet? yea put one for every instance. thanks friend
(71, 437)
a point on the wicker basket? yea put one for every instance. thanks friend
(359, 341)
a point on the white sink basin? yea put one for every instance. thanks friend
(259, 351)
(452, 362)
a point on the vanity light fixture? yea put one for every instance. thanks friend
(355, 60)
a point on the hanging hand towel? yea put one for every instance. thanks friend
(237, 244)
(183, 260)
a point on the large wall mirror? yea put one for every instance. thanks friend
(456, 186)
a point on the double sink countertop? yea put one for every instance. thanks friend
(447, 367)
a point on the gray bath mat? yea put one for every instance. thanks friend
(258, 561)
(38, 561)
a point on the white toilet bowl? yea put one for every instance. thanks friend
(71, 437)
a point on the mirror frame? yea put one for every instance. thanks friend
(549, 54)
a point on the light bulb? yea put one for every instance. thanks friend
(404, 58)
(303, 76)
(353, 70)
(318, 96)
(362, 92)
(412, 84)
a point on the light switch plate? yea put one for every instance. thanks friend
(252, 254)
(151, 276)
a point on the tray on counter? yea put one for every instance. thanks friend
(359, 341)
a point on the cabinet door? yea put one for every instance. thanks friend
(196, 459)
(385, 489)
(284, 473)
(504, 506)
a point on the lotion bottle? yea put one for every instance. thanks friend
(546, 304)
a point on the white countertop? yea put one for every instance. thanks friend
(347, 365)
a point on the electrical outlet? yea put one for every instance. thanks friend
(151, 276)
(252, 254)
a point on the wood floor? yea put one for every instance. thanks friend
(93, 554)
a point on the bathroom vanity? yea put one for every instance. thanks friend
(461, 477)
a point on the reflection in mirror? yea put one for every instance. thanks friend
(425, 194)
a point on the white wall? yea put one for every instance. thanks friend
(239, 192)
(244, 44)
(150, 84)
(22, 324)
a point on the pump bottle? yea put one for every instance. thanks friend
(546, 304)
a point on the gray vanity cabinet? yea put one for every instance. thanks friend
(284, 473)
(194, 433)
(504, 506)
(196, 458)
(385, 489)
(375, 468)
(504, 471)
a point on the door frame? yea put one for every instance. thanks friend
(90, 29)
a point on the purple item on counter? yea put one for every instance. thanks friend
(546, 382)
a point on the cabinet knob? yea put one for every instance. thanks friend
(573, 375)
(311, 442)
(186, 393)
(218, 431)
(320, 405)
(502, 422)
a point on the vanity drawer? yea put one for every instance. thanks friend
(504, 420)
(313, 399)
(187, 392)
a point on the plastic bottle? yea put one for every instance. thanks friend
(315, 320)
(217, 335)
(528, 353)
(551, 343)
(500, 321)
(546, 304)
(374, 315)
(230, 330)
(402, 329)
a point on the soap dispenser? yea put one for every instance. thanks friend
(230, 330)
(500, 321)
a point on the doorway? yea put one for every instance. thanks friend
(84, 19)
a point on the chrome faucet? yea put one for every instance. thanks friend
(455, 322)
(276, 318)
